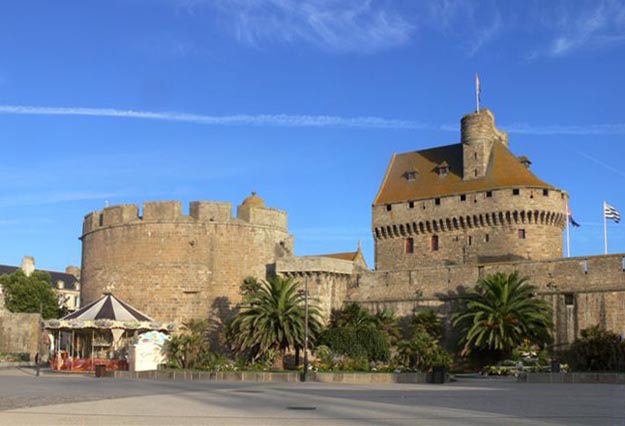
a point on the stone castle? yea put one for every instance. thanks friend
(442, 218)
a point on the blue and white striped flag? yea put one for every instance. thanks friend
(610, 212)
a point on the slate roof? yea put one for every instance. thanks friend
(69, 280)
(504, 170)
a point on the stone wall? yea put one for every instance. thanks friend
(470, 228)
(327, 279)
(173, 266)
(584, 291)
(19, 333)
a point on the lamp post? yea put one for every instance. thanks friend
(305, 375)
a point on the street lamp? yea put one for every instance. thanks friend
(305, 375)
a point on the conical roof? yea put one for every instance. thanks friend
(108, 307)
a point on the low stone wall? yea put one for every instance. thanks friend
(229, 376)
(368, 378)
(261, 376)
(571, 378)
(17, 364)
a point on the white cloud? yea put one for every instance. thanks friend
(597, 24)
(54, 197)
(475, 24)
(556, 129)
(335, 25)
(280, 120)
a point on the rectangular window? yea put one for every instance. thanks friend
(489, 194)
(569, 299)
(486, 238)
(522, 234)
(411, 204)
(545, 192)
(409, 246)
(434, 243)
(101, 220)
(389, 207)
(516, 191)
(437, 201)
(470, 240)
(463, 197)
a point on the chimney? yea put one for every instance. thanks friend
(28, 265)
(73, 270)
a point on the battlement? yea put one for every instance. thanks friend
(262, 216)
(171, 211)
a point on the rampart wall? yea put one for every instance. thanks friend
(174, 266)
(584, 291)
(327, 279)
(483, 226)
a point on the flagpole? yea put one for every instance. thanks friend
(477, 92)
(568, 234)
(605, 231)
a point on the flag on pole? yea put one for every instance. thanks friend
(570, 216)
(610, 212)
(478, 91)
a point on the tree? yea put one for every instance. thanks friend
(427, 321)
(191, 348)
(353, 315)
(422, 352)
(273, 319)
(33, 294)
(597, 350)
(500, 313)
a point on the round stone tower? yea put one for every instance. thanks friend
(176, 267)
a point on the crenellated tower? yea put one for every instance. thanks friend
(471, 202)
(175, 266)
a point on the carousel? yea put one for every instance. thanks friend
(98, 334)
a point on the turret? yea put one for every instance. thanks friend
(478, 134)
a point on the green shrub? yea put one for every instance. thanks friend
(597, 350)
(367, 342)
(422, 352)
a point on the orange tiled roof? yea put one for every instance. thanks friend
(351, 256)
(504, 170)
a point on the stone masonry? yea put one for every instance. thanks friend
(175, 267)
(442, 219)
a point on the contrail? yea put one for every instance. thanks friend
(553, 130)
(278, 120)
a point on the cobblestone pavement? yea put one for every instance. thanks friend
(69, 399)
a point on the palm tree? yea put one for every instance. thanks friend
(427, 321)
(353, 315)
(500, 313)
(273, 319)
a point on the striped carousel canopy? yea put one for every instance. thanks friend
(108, 307)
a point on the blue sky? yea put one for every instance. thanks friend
(303, 101)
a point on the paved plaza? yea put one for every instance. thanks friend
(59, 399)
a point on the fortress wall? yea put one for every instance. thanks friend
(175, 267)
(162, 210)
(481, 228)
(477, 203)
(327, 279)
(263, 216)
(211, 211)
(584, 291)
(472, 246)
